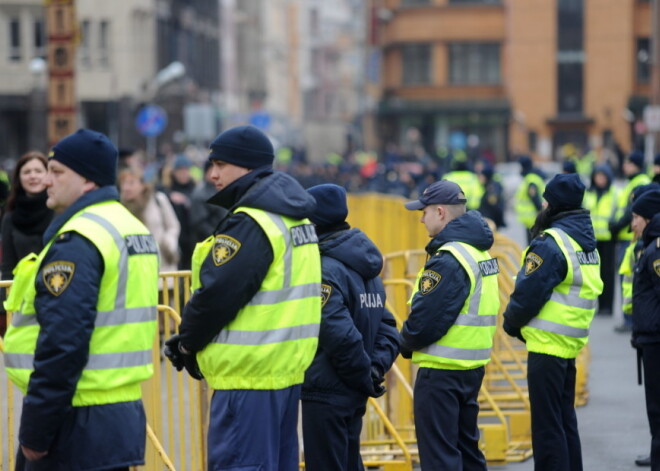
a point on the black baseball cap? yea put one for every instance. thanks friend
(441, 192)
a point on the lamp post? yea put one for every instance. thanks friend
(37, 118)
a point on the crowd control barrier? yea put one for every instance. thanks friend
(177, 406)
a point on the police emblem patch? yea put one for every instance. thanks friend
(224, 249)
(57, 276)
(429, 281)
(656, 266)
(326, 291)
(532, 263)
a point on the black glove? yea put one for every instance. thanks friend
(191, 366)
(182, 360)
(513, 331)
(633, 342)
(172, 352)
(377, 379)
(405, 353)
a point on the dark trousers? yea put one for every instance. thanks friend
(608, 271)
(651, 359)
(555, 438)
(446, 411)
(44, 464)
(331, 435)
(254, 430)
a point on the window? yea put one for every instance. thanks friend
(84, 42)
(14, 40)
(570, 56)
(416, 64)
(475, 2)
(474, 63)
(415, 2)
(39, 39)
(104, 43)
(642, 60)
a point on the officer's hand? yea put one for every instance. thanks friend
(513, 331)
(190, 363)
(633, 342)
(32, 455)
(379, 390)
(172, 352)
(376, 376)
(405, 353)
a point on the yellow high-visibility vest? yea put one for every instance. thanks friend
(601, 210)
(624, 199)
(120, 349)
(468, 343)
(273, 339)
(525, 208)
(562, 326)
(470, 184)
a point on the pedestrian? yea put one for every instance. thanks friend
(449, 332)
(646, 311)
(528, 200)
(154, 210)
(551, 309)
(84, 320)
(27, 216)
(358, 340)
(492, 202)
(633, 169)
(179, 192)
(251, 326)
(601, 200)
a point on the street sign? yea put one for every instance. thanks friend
(151, 120)
(652, 118)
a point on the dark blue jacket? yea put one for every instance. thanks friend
(646, 287)
(48, 421)
(432, 314)
(228, 287)
(534, 289)
(357, 331)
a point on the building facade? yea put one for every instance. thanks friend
(122, 46)
(505, 77)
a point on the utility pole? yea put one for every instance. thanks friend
(62, 36)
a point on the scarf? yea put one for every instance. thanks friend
(31, 215)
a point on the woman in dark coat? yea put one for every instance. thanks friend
(27, 216)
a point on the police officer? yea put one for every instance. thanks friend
(619, 225)
(528, 196)
(449, 332)
(601, 199)
(84, 322)
(358, 341)
(251, 326)
(551, 309)
(646, 309)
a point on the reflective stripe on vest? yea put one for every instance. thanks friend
(562, 326)
(123, 327)
(468, 343)
(273, 338)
